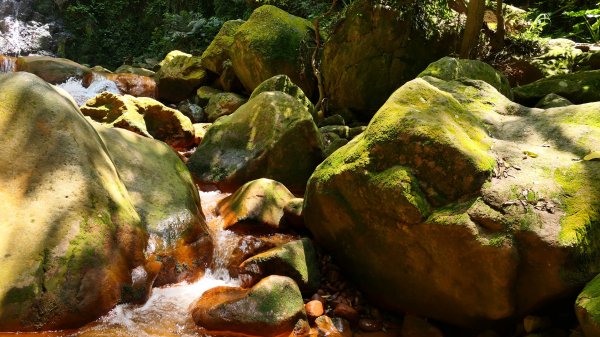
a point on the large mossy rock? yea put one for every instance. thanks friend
(270, 308)
(223, 104)
(273, 42)
(284, 84)
(142, 115)
(297, 260)
(373, 51)
(165, 196)
(449, 68)
(179, 76)
(580, 87)
(587, 308)
(258, 202)
(217, 53)
(52, 70)
(257, 141)
(70, 232)
(464, 206)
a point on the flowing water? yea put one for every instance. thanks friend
(81, 94)
(165, 314)
(22, 31)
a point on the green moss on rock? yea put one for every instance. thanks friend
(218, 51)
(180, 74)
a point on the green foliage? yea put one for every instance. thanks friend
(588, 28)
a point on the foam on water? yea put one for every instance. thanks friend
(82, 94)
(18, 36)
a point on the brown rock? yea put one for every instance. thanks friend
(536, 323)
(314, 308)
(301, 329)
(345, 311)
(326, 327)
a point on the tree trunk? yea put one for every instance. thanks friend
(500, 31)
(475, 12)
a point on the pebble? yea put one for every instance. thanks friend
(314, 308)
(326, 327)
(343, 310)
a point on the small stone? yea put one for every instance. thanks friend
(301, 329)
(343, 310)
(369, 324)
(314, 308)
(326, 327)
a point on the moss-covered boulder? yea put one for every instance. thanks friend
(284, 84)
(587, 308)
(258, 202)
(223, 104)
(204, 93)
(270, 43)
(217, 53)
(51, 69)
(558, 57)
(465, 207)
(371, 52)
(70, 231)
(142, 115)
(179, 76)
(165, 196)
(553, 101)
(449, 68)
(270, 308)
(297, 260)
(257, 141)
(580, 87)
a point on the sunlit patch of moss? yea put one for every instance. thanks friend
(580, 183)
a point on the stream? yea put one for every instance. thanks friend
(166, 312)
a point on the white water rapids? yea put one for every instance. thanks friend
(19, 33)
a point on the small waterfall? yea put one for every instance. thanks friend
(82, 94)
(8, 64)
(21, 34)
(166, 313)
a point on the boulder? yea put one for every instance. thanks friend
(128, 69)
(52, 70)
(164, 195)
(284, 84)
(204, 93)
(142, 115)
(587, 308)
(179, 76)
(256, 141)
(273, 42)
(223, 104)
(580, 87)
(193, 111)
(558, 57)
(450, 68)
(132, 84)
(217, 53)
(552, 101)
(371, 52)
(259, 202)
(270, 308)
(70, 231)
(465, 207)
(297, 260)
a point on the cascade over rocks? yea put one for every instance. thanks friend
(257, 141)
(464, 206)
(180, 74)
(74, 232)
(270, 308)
(166, 198)
(273, 42)
(370, 54)
(142, 115)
